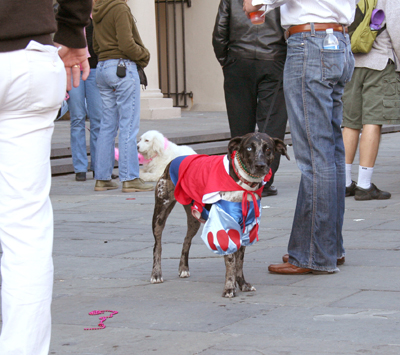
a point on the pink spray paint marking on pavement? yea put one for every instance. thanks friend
(102, 319)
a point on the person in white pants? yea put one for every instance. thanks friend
(26, 216)
(32, 87)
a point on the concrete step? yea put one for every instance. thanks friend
(210, 143)
(62, 164)
(160, 113)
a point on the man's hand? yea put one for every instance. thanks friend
(248, 7)
(75, 60)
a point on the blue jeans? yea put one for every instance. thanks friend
(314, 81)
(84, 99)
(121, 110)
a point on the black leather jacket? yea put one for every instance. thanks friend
(235, 36)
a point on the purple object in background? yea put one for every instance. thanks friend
(377, 18)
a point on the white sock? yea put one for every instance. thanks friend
(348, 174)
(364, 177)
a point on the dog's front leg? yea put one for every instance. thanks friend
(193, 226)
(243, 285)
(230, 276)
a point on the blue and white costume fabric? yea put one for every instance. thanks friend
(198, 179)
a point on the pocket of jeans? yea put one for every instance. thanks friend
(46, 82)
(332, 63)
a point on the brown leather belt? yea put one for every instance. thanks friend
(317, 26)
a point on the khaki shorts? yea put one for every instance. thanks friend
(372, 97)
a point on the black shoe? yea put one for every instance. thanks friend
(351, 190)
(80, 176)
(269, 191)
(373, 193)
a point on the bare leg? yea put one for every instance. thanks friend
(350, 140)
(369, 145)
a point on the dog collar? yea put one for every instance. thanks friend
(240, 177)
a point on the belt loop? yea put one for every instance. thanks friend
(344, 31)
(287, 34)
(312, 29)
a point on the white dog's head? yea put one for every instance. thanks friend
(151, 143)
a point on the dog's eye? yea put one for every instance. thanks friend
(146, 140)
(249, 149)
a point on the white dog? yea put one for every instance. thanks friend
(155, 152)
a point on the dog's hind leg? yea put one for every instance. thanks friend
(243, 285)
(164, 203)
(230, 276)
(193, 226)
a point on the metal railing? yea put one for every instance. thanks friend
(170, 16)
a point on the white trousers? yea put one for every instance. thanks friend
(32, 87)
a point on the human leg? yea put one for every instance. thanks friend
(240, 88)
(31, 92)
(127, 92)
(350, 139)
(95, 112)
(104, 164)
(316, 240)
(271, 107)
(369, 144)
(380, 97)
(77, 110)
(352, 122)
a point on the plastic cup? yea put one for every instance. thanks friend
(257, 17)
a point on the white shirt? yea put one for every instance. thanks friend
(298, 12)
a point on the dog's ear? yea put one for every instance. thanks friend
(158, 144)
(234, 144)
(280, 147)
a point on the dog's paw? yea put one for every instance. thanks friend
(229, 293)
(156, 279)
(246, 287)
(184, 274)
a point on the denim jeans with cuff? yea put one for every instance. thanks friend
(314, 80)
(85, 99)
(121, 110)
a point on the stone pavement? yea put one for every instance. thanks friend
(103, 259)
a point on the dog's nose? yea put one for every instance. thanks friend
(260, 165)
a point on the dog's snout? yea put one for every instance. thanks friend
(260, 165)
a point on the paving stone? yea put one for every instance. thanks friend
(103, 248)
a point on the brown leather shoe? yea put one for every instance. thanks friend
(340, 261)
(288, 269)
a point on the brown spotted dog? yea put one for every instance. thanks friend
(249, 161)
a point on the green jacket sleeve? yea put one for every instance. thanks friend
(129, 41)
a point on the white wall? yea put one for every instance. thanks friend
(204, 73)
